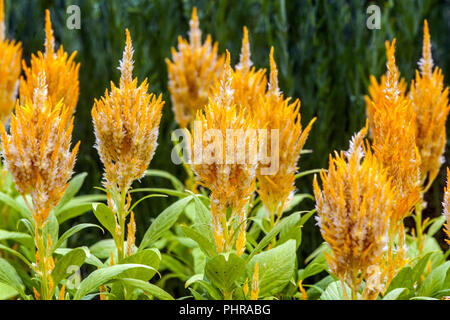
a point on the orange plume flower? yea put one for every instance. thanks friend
(193, 71)
(247, 83)
(11, 53)
(276, 177)
(37, 151)
(430, 102)
(218, 163)
(354, 209)
(392, 120)
(60, 70)
(126, 122)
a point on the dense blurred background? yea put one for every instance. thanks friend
(323, 48)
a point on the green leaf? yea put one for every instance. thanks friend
(163, 222)
(147, 257)
(74, 186)
(103, 276)
(435, 280)
(436, 226)
(105, 216)
(204, 244)
(20, 237)
(394, 294)
(198, 278)
(71, 232)
(402, 280)
(77, 206)
(276, 268)
(148, 288)
(169, 192)
(7, 292)
(223, 271)
(177, 184)
(9, 276)
(334, 291)
(51, 227)
(9, 201)
(145, 197)
(17, 254)
(203, 218)
(68, 264)
(288, 221)
(103, 248)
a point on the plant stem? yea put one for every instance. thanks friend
(121, 217)
(228, 295)
(42, 263)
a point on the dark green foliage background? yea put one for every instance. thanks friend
(324, 51)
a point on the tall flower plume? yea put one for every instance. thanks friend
(37, 150)
(218, 164)
(10, 56)
(279, 115)
(354, 208)
(126, 122)
(248, 83)
(430, 102)
(193, 71)
(60, 69)
(392, 120)
(446, 205)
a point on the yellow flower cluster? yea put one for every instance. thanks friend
(393, 127)
(126, 122)
(11, 53)
(61, 72)
(279, 114)
(354, 208)
(430, 102)
(232, 182)
(193, 71)
(248, 83)
(37, 151)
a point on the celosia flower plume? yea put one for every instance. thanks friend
(392, 120)
(37, 150)
(430, 103)
(192, 72)
(126, 122)
(279, 114)
(247, 83)
(10, 56)
(60, 69)
(232, 182)
(354, 209)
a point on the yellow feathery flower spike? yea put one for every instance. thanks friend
(277, 114)
(193, 71)
(218, 165)
(392, 120)
(255, 283)
(126, 122)
(446, 205)
(247, 83)
(354, 208)
(60, 69)
(430, 102)
(37, 152)
(10, 56)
